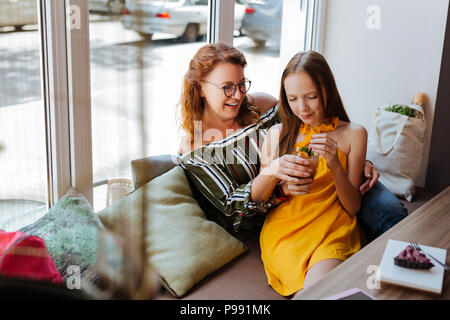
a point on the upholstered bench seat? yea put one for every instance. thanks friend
(244, 277)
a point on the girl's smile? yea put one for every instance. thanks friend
(306, 116)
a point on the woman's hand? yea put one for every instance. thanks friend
(326, 146)
(289, 168)
(371, 174)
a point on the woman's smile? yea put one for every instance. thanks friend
(233, 105)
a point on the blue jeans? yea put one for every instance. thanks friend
(380, 210)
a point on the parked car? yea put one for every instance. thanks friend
(18, 13)
(262, 20)
(184, 18)
(108, 6)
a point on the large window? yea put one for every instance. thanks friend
(138, 59)
(23, 161)
(89, 85)
(136, 79)
(122, 104)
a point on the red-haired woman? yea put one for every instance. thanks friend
(215, 101)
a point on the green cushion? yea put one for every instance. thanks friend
(70, 230)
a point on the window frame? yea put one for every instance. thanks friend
(221, 21)
(66, 93)
(315, 13)
(79, 80)
(53, 51)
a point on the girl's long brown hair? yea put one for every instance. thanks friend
(315, 65)
(204, 61)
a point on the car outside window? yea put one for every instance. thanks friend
(200, 2)
(266, 3)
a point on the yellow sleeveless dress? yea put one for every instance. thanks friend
(308, 228)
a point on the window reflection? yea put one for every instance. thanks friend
(23, 166)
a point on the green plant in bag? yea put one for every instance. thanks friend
(402, 109)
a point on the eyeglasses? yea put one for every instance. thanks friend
(230, 89)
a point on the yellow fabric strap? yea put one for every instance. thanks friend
(309, 131)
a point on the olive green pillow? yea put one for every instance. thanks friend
(182, 245)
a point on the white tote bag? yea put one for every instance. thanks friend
(395, 147)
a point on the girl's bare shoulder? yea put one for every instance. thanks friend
(351, 135)
(351, 128)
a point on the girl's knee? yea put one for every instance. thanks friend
(319, 270)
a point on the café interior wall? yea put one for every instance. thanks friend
(384, 51)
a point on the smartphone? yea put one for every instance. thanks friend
(351, 294)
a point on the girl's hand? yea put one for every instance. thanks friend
(303, 186)
(289, 168)
(326, 146)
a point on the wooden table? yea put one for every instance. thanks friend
(428, 225)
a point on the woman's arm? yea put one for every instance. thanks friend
(262, 101)
(347, 184)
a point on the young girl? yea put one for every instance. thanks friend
(315, 229)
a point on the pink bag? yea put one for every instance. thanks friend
(26, 256)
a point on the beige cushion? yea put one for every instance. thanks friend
(145, 169)
(182, 245)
